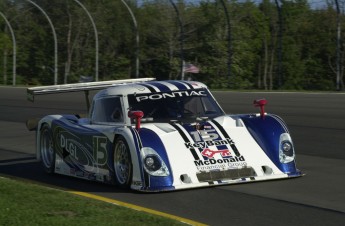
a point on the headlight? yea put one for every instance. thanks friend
(287, 147)
(153, 163)
(286, 150)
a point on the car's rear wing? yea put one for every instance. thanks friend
(77, 87)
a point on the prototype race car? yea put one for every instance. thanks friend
(152, 135)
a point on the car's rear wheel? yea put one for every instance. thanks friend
(122, 163)
(47, 149)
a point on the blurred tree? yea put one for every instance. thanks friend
(308, 42)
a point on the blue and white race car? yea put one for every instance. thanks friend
(152, 135)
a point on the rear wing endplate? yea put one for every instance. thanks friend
(77, 87)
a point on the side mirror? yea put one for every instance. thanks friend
(137, 115)
(32, 124)
(261, 103)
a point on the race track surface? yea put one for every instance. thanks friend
(316, 122)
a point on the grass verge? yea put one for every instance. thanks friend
(29, 204)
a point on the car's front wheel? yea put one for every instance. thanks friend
(47, 149)
(122, 163)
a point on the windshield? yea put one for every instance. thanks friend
(176, 105)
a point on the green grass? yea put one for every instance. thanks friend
(29, 204)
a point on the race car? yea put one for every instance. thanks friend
(151, 136)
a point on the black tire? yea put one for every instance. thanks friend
(47, 149)
(122, 163)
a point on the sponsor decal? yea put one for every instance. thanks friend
(210, 153)
(159, 96)
(205, 144)
(69, 147)
(100, 150)
(226, 135)
(137, 183)
(220, 159)
(73, 150)
(82, 156)
(217, 153)
(220, 164)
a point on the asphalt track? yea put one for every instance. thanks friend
(316, 122)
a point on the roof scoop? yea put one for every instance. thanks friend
(261, 103)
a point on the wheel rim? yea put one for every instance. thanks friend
(47, 151)
(122, 164)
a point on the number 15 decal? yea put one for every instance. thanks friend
(204, 134)
(100, 150)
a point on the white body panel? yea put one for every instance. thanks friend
(182, 162)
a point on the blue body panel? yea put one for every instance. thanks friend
(152, 140)
(266, 132)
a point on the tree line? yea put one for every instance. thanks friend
(280, 44)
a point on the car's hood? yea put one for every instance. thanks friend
(212, 151)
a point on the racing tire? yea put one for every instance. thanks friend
(47, 149)
(122, 163)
